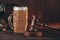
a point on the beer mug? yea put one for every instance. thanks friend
(20, 19)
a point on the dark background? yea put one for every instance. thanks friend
(48, 10)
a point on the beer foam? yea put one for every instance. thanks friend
(20, 8)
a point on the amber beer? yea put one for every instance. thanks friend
(20, 19)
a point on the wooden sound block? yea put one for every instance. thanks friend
(37, 34)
